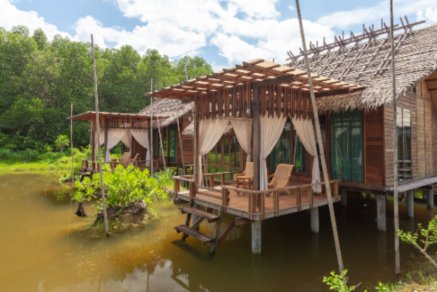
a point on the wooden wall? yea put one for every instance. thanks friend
(424, 131)
(408, 100)
(187, 142)
(374, 148)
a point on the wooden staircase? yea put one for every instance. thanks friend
(193, 230)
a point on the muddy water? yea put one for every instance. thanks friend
(43, 247)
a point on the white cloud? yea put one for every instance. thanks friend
(166, 37)
(234, 49)
(11, 16)
(238, 29)
(373, 14)
(429, 15)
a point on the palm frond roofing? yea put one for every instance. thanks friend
(369, 64)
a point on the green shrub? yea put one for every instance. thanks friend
(338, 282)
(123, 186)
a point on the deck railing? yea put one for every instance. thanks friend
(256, 198)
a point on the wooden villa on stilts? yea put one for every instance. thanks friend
(264, 103)
(359, 125)
(169, 118)
(130, 129)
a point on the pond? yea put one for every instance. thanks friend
(45, 247)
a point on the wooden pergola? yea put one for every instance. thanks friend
(111, 120)
(252, 90)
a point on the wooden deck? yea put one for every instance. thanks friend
(255, 205)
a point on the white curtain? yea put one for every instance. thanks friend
(271, 130)
(114, 137)
(141, 136)
(243, 132)
(305, 132)
(210, 132)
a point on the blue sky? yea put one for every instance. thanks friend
(222, 31)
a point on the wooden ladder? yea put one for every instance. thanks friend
(193, 230)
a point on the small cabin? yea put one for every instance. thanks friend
(358, 127)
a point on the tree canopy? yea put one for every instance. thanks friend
(40, 78)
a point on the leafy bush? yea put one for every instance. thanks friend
(27, 155)
(422, 239)
(123, 186)
(338, 282)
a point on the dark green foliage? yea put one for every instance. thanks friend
(39, 80)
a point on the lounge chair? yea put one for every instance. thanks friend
(245, 178)
(281, 177)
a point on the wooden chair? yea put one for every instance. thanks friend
(281, 177)
(245, 178)
(134, 160)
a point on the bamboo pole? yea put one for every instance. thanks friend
(99, 155)
(321, 146)
(71, 144)
(395, 148)
(151, 127)
(160, 143)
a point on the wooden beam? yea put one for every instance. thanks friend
(274, 81)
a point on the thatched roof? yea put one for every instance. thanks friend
(169, 109)
(369, 64)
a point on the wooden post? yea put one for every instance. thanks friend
(410, 204)
(395, 148)
(256, 236)
(256, 146)
(196, 169)
(93, 143)
(344, 197)
(315, 219)
(99, 164)
(160, 143)
(106, 140)
(381, 220)
(151, 127)
(181, 147)
(321, 146)
(430, 199)
(71, 144)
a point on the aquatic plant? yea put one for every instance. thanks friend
(338, 282)
(123, 186)
(422, 239)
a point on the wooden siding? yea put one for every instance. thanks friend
(424, 131)
(407, 101)
(374, 148)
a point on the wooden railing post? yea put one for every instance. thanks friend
(177, 186)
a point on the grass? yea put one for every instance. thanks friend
(30, 167)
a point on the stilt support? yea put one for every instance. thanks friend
(430, 199)
(344, 198)
(256, 237)
(314, 220)
(381, 220)
(410, 204)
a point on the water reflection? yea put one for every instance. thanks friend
(47, 249)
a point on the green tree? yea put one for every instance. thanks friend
(61, 142)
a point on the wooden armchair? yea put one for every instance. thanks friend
(281, 177)
(245, 178)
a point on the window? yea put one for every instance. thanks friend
(347, 146)
(404, 143)
(299, 155)
(172, 144)
(281, 152)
